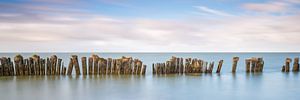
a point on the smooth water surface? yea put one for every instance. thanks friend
(270, 85)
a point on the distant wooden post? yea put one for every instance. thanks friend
(144, 69)
(234, 65)
(219, 66)
(287, 64)
(248, 62)
(296, 64)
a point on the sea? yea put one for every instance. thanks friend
(272, 84)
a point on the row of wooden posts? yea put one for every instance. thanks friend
(95, 65)
(175, 65)
(286, 66)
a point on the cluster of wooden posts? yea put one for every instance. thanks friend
(286, 67)
(175, 65)
(36, 65)
(95, 65)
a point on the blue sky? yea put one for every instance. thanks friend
(153, 25)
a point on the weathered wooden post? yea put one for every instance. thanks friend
(153, 69)
(287, 64)
(90, 65)
(43, 67)
(109, 65)
(260, 64)
(18, 63)
(296, 64)
(95, 59)
(253, 64)
(59, 61)
(234, 65)
(70, 67)
(144, 69)
(53, 60)
(219, 66)
(76, 64)
(248, 62)
(211, 67)
(83, 62)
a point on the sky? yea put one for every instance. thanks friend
(149, 25)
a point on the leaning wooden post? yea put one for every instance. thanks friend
(248, 62)
(296, 65)
(70, 67)
(234, 65)
(287, 64)
(76, 64)
(83, 62)
(219, 66)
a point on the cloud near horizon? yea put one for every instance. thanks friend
(36, 28)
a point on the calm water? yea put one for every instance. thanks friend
(272, 84)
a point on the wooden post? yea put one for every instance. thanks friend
(211, 67)
(58, 66)
(76, 64)
(287, 64)
(219, 66)
(64, 70)
(83, 62)
(234, 65)
(153, 69)
(95, 59)
(248, 62)
(260, 65)
(53, 60)
(70, 67)
(296, 65)
(144, 69)
(109, 65)
(253, 64)
(90, 65)
(43, 67)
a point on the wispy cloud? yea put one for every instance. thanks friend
(212, 11)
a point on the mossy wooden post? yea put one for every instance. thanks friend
(76, 64)
(58, 70)
(234, 65)
(53, 60)
(248, 62)
(296, 65)
(90, 65)
(287, 64)
(4, 66)
(83, 62)
(70, 67)
(219, 66)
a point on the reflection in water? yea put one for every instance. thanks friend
(225, 86)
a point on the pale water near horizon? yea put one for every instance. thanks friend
(271, 84)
